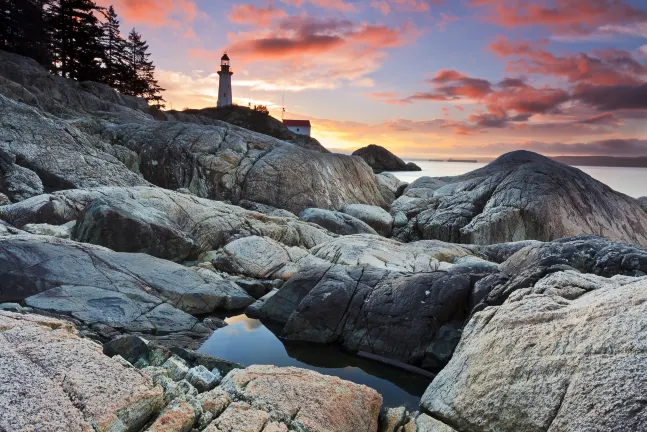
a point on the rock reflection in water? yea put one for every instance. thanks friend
(248, 341)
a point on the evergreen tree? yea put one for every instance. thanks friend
(141, 71)
(114, 51)
(23, 28)
(76, 39)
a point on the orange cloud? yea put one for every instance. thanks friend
(155, 12)
(258, 16)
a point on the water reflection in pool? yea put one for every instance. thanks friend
(248, 341)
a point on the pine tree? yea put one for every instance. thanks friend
(76, 39)
(114, 51)
(23, 28)
(141, 71)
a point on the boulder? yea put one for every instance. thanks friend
(336, 222)
(52, 380)
(60, 231)
(519, 196)
(4, 199)
(578, 354)
(390, 186)
(155, 221)
(128, 292)
(376, 310)
(307, 400)
(380, 159)
(261, 258)
(17, 183)
(377, 218)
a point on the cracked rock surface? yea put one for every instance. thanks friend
(550, 360)
(520, 196)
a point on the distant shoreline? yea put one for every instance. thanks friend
(593, 161)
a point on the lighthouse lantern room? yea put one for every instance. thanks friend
(225, 97)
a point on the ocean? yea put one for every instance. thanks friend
(629, 181)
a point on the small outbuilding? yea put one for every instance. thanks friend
(301, 127)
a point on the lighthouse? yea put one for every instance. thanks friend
(224, 90)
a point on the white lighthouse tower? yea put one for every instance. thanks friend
(225, 97)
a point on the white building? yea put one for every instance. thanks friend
(225, 98)
(301, 127)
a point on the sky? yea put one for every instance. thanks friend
(423, 78)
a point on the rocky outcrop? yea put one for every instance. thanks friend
(377, 218)
(643, 202)
(158, 222)
(17, 183)
(307, 400)
(110, 291)
(573, 342)
(584, 254)
(390, 187)
(380, 159)
(53, 380)
(261, 258)
(519, 196)
(336, 222)
(406, 317)
(80, 135)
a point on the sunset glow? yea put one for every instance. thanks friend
(423, 78)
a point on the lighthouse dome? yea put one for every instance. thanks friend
(225, 57)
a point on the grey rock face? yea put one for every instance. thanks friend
(643, 202)
(585, 254)
(556, 346)
(380, 159)
(375, 310)
(129, 292)
(336, 222)
(519, 196)
(377, 218)
(390, 187)
(60, 231)
(161, 223)
(17, 183)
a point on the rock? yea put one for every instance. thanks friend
(60, 231)
(17, 183)
(390, 186)
(254, 288)
(11, 307)
(132, 348)
(178, 416)
(53, 380)
(556, 346)
(424, 423)
(336, 222)
(253, 310)
(379, 311)
(304, 401)
(214, 323)
(202, 379)
(176, 367)
(422, 256)
(167, 224)
(393, 419)
(240, 417)
(131, 292)
(379, 219)
(266, 209)
(585, 254)
(642, 201)
(261, 257)
(214, 401)
(73, 135)
(4, 199)
(380, 159)
(400, 220)
(519, 196)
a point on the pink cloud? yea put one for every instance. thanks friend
(155, 13)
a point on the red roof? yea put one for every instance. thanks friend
(302, 123)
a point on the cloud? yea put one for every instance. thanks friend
(155, 13)
(628, 147)
(339, 5)
(602, 67)
(615, 97)
(253, 15)
(562, 17)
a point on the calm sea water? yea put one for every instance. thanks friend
(248, 341)
(629, 181)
